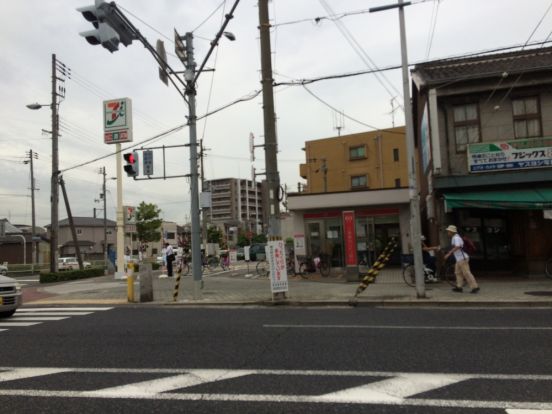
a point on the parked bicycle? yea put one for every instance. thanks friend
(321, 263)
(445, 270)
(215, 261)
(262, 268)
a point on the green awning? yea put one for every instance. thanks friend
(537, 198)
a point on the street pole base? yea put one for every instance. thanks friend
(198, 285)
(120, 275)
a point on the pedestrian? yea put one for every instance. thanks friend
(169, 253)
(462, 267)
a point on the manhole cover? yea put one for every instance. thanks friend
(540, 293)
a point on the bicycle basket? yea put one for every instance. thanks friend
(407, 259)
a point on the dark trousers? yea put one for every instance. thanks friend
(169, 267)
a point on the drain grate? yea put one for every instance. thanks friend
(540, 293)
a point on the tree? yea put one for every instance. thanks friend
(148, 223)
(214, 235)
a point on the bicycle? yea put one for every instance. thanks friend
(321, 263)
(262, 268)
(445, 271)
(182, 265)
(214, 261)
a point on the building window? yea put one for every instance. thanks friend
(79, 231)
(466, 126)
(395, 154)
(170, 235)
(357, 153)
(397, 183)
(154, 251)
(359, 181)
(527, 118)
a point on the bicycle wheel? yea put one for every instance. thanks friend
(212, 263)
(325, 268)
(185, 269)
(409, 275)
(548, 268)
(262, 268)
(303, 271)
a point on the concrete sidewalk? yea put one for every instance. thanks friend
(234, 288)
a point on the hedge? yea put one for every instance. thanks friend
(70, 275)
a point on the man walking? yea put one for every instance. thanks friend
(170, 259)
(462, 267)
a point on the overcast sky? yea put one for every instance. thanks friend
(303, 48)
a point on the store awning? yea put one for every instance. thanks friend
(537, 198)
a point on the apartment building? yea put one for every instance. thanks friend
(237, 203)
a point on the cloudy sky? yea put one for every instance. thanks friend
(310, 39)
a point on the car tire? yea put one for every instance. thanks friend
(7, 314)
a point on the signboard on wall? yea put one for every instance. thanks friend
(349, 238)
(424, 139)
(510, 155)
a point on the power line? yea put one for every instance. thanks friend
(432, 25)
(210, 15)
(165, 133)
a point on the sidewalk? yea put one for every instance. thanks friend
(233, 288)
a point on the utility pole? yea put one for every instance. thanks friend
(34, 259)
(102, 171)
(190, 77)
(203, 189)
(54, 225)
(415, 225)
(271, 146)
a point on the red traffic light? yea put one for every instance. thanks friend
(129, 157)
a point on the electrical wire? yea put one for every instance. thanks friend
(347, 116)
(210, 15)
(359, 50)
(165, 133)
(432, 25)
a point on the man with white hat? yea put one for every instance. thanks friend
(462, 267)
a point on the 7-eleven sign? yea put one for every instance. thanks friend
(117, 120)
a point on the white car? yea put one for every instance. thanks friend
(10, 296)
(3, 270)
(71, 263)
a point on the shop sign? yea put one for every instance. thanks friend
(510, 155)
(276, 256)
(349, 238)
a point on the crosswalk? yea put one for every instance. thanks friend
(415, 389)
(25, 317)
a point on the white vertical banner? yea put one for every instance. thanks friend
(276, 257)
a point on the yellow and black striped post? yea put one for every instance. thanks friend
(379, 264)
(177, 283)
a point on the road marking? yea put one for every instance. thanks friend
(194, 377)
(528, 411)
(11, 324)
(38, 318)
(447, 328)
(56, 313)
(388, 391)
(53, 309)
(21, 373)
(27, 280)
(397, 388)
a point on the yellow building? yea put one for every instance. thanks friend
(355, 199)
(367, 160)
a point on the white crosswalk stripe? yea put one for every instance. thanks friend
(380, 388)
(25, 317)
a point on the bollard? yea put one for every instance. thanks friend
(130, 288)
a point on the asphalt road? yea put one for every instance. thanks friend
(149, 359)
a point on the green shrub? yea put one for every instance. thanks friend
(70, 275)
(155, 266)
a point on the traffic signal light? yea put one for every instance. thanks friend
(131, 167)
(111, 26)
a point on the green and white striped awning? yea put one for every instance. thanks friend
(536, 198)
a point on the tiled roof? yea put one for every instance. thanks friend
(484, 66)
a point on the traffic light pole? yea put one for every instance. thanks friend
(120, 273)
(190, 77)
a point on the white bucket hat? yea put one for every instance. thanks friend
(452, 229)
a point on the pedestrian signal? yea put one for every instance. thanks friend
(131, 167)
